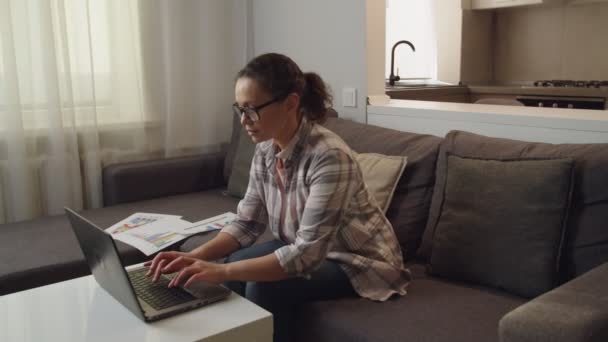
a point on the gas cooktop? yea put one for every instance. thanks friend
(571, 83)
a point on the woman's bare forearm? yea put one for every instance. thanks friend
(220, 246)
(265, 268)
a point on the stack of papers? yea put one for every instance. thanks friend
(151, 233)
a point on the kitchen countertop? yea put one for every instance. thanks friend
(502, 89)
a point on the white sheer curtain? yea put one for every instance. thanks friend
(65, 75)
(75, 94)
(411, 20)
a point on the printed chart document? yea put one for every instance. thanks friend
(135, 221)
(151, 233)
(213, 223)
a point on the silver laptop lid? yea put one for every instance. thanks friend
(104, 261)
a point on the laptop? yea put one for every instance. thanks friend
(147, 300)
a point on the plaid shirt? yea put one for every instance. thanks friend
(322, 209)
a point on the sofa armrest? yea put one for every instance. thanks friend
(576, 311)
(135, 181)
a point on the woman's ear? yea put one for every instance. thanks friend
(292, 102)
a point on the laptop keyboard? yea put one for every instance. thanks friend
(158, 295)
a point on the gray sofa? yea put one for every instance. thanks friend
(44, 251)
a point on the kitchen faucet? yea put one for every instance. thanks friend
(393, 78)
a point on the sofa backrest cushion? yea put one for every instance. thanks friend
(586, 235)
(502, 223)
(241, 164)
(142, 180)
(381, 174)
(408, 210)
(235, 137)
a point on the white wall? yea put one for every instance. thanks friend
(327, 37)
(376, 52)
(448, 18)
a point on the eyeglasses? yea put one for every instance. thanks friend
(253, 113)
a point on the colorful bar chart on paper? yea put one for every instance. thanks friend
(135, 222)
(160, 239)
(154, 236)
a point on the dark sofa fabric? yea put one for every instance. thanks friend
(237, 133)
(569, 313)
(586, 240)
(434, 310)
(129, 182)
(241, 165)
(45, 251)
(409, 208)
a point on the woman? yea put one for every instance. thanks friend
(332, 240)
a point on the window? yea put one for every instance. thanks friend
(78, 58)
(411, 20)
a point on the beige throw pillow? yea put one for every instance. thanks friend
(381, 174)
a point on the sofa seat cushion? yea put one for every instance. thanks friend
(44, 251)
(433, 310)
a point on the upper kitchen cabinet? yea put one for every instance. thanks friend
(492, 4)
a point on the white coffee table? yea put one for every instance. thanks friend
(80, 310)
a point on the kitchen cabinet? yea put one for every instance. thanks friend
(438, 94)
(474, 97)
(492, 4)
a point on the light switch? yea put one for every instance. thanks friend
(349, 97)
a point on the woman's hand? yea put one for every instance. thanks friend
(166, 262)
(199, 270)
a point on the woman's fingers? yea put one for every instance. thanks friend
(153, 264)
(183, 275)
(167, 262)
(150, 265)
(195, 277)
(158, 270)
(179, 278)
(176, 265)
(198, 271)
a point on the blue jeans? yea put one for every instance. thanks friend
(281, 297)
